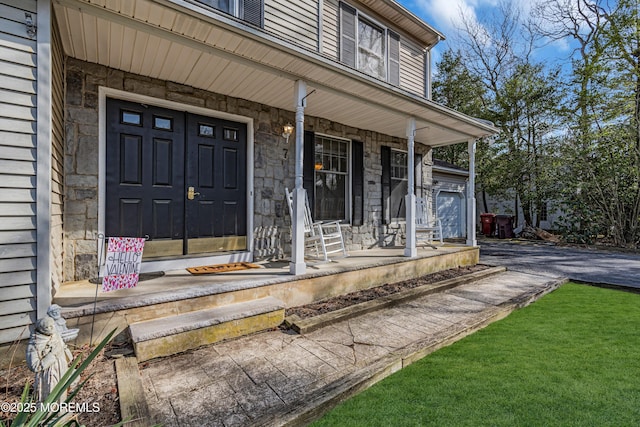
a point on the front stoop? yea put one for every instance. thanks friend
(166, 336)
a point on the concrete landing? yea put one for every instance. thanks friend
(279, 378)
(166, 336)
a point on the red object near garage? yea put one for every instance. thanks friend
(488, 221)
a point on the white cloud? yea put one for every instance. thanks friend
(447, 15)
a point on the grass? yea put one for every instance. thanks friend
(570, 359)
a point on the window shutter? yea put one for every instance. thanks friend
(419, 190)
(347, 35)
(357, 182)
(394, 59)
(308, 170)
(385, 155)
(253, 12)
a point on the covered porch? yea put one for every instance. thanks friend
(226, 69)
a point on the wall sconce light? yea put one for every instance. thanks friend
(287, 130)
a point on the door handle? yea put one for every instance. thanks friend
(191, 193)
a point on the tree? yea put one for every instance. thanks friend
(456, 87)
(521, 99)
(602, 139)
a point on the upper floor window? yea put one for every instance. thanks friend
(368, 46)
(251, 11)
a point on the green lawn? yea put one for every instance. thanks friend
(570, 359)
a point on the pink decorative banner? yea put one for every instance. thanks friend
(122, 266)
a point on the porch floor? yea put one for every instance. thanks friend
(180, 284)
(178, 292)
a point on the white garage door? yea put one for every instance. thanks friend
(450, 212)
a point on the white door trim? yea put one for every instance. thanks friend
(182, 262)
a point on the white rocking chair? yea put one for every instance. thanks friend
(428, 229)
(320, 238)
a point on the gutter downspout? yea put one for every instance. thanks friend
(427, 69)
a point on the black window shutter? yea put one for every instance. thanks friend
(253, 12)
(385, 155)
(308, 169)
(357, 182)
(347, 35)
(418, 175)
(394, 59)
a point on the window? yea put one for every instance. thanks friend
(229, 134)
(371, 50)
(131, 118)
(206, 130)
(368, 47)
(399, 184)
(331, 176)
(251, 11)
(544, 212)
(395, 182)
(164, 123)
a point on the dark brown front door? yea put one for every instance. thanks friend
(176, 177)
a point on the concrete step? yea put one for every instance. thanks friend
(166, 336)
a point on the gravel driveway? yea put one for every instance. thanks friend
(588, 265)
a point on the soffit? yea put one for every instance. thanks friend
(163, 41)
(402, 18)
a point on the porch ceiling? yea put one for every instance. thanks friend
(176, 41)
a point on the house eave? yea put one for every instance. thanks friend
(255, 54)
(449, 171)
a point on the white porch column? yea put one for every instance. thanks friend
(410, 249)
(297, 264)
(471, 195)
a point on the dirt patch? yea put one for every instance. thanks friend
(100, 392)
(342, 301)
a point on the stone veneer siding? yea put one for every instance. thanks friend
(274, 161)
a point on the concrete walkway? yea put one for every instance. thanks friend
(278, 378)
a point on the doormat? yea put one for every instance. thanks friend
(221, 268)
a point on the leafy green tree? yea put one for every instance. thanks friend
(521, 100)
(601, 146)
(456, 87)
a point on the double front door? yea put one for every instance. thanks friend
(176, 177)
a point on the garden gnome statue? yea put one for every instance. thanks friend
(61, 324)
(47, 356)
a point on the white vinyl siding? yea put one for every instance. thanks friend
(18, 77)
(57, 157)
(295, 21)
(330, 29)
(411, 67)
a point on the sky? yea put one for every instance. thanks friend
(445, 16)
